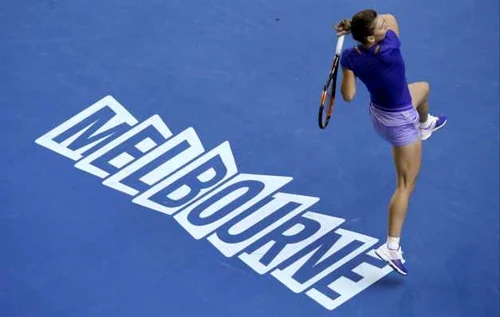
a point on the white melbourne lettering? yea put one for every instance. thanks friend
(241, 215)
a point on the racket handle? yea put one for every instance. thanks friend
(340, 43)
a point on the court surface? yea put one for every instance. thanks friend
(162, 158)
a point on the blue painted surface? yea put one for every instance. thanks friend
(231, 70)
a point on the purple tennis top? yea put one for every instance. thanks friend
(383, 73)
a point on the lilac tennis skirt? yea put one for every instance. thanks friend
(398, 127)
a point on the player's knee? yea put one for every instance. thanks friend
(426, 88)
(405, 188)
(406, 185)
(412, 185)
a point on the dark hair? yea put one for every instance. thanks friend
(363, 24)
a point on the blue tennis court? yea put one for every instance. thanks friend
(163, 158)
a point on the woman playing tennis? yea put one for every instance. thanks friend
(399, 111)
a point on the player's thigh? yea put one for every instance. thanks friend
(408, 160)
(419, 92)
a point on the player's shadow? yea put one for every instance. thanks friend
(389, 281)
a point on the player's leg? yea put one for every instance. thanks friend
(420, 97)
(407, 160)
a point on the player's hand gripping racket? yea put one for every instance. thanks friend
(328, 94)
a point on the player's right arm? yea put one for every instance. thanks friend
(391, 22)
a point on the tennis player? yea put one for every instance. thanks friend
(399, 111)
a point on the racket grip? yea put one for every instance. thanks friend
(340, 43)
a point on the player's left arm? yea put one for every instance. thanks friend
(348, 87)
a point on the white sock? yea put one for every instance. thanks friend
(393, 243)
(427, 122)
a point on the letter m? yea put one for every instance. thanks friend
(97, 125)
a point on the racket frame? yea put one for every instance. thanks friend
(332, 80)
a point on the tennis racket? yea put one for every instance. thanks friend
(328, 94)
